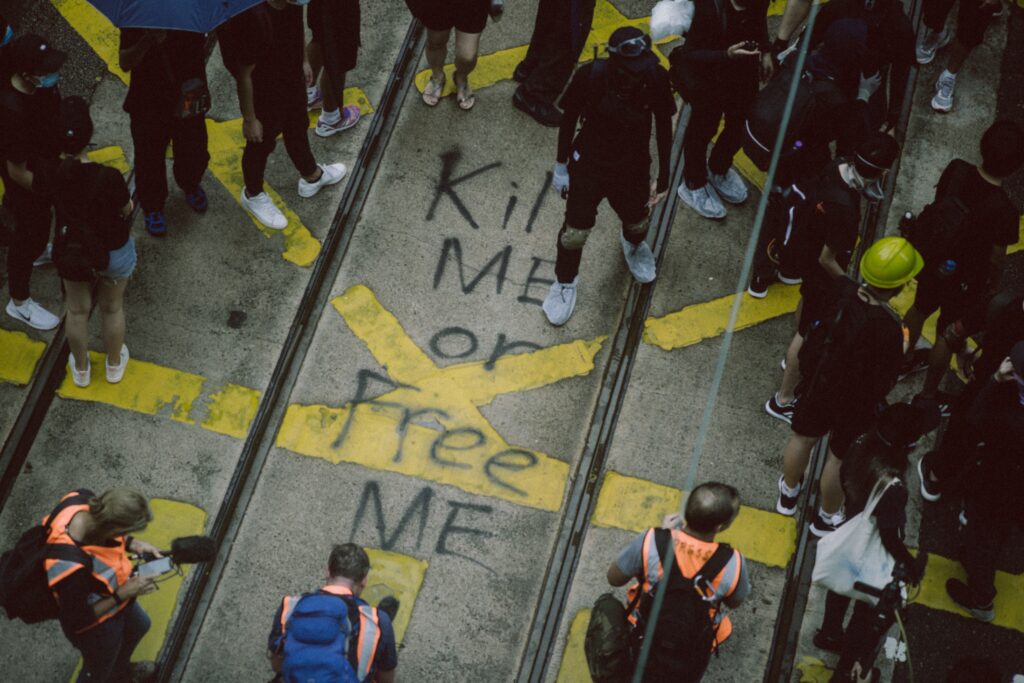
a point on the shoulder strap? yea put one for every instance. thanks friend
(80, 498)
(68, 553)
(716, 563)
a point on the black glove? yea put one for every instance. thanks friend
(916, 570)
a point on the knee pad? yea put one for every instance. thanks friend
(573, 239)
(955, 336)
(638, 229)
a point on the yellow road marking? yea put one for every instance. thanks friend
(171, 519)
(813, 670)
(429, 426)
(398, 575)
(111, 156)
(573, 668)
(96, 30)
(151, 389)
(19, 355)
(1009, 602)
(637, 504)
(1014, 248)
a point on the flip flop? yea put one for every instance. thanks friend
(464, 96)
(432, 91)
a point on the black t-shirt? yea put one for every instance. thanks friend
(602, 139)
(28, 126)
(156, 81)
(273, 40)
(829, 215)
(891, 510)
(717, 26)
(1004, 329)
(93, 195)
(993, 221)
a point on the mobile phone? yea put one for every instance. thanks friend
(148, 570)
(750, 45)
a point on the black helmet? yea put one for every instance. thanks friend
(629, 42)
(875, 155)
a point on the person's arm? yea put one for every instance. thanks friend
(252, 129)
(130, 57)
(793, 18)
(73, 595)
(275, 641)
(899, 76)
(827, 260)
(742, 589)
(386, 659)
(572, 104)
(663, 135)
(19, 173)
(616, 577)
(630, 562)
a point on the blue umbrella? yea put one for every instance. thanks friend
(200, 16)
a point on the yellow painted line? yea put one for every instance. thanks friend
(153, 389)
(1009, 603)
(398, 575)
(171, 519)
(96, 30)
(698, 322)
(813, 670)
(1014, 248)
(637, 504)
(430, 425)
(573, 668)
(112, 156)
(19, 355)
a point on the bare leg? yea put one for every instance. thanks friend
(467, 46)
(795, 458)
(78, 297)
(832, 495)
(436, 52)
(914, 321)
(791, 375)
(111, 301)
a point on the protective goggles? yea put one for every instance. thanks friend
(634, 47)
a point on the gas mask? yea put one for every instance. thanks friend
(869, 186)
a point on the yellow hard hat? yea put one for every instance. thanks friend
(890, 262)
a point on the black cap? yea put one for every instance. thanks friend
(32, 54)
(639, 44)
(75, 124)
(1017, 357)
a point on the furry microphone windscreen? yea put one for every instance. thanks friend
(192, 549)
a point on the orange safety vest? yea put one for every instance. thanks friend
(369, 629)
(691, 554)
(110, 565)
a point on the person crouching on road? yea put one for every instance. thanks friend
(332, 632)
(264, 49)
(97, 605)
(616, 99)
(93, 244)
(849, 362)
(877, 461)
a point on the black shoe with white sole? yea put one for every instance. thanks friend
(786, 504)
(780, 411)
(929, 489)
(962, 596)
(758, 287)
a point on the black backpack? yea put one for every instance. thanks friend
(765, 116)
(77, 250)
(24, 590)
(617, 101)
(686, 635)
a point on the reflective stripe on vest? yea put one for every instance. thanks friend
(110, 565)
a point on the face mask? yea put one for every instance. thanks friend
(8, 34)
(869, 187)
(47, 81)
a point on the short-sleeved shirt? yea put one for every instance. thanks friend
(830, 215)
(993, 220)
(603, 142)
(730, 584)
(271, 39)
(155, 83)
(28, 126)
(93, 195)
(386, 657)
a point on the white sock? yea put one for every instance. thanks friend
(790, 491)
(329, 117)
(311, 92)
(947, 75)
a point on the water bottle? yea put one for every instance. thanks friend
(906, 223)
(947, 268)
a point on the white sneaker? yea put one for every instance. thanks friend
(930, 42)
(115, 373)
(330, 174)
(314, 97)
(730, 186)
(703, 200)
(943, 100)
(640, 260)
(32, 314)
(46, 258)
(560, 302)
(262, 208)
(345, 119)
(81, 378)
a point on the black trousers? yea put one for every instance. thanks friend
(861, 637)
(151, 134)
(281, 108)
(992, 507)
(955, 451)
(705, 115)
(32, 217)
(559, 35)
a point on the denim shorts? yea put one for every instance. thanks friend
(122, 262)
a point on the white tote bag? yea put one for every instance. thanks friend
(671, 18)
(854, 552)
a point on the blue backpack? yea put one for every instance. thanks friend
(316, 646)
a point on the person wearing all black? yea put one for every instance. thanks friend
(334, 25)
(973, 19)
(877, 459)
(609, 158)
(992, 225)
(264, 49)
(29, 104)
(992, 501)
(559, 34)
(718, 70)
(160, 63)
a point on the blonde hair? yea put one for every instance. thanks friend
(121, 510)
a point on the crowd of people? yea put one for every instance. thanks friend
(849, 349)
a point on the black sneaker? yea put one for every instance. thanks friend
(830, 642)
(961, 595)
(780, 411)
(786, 505)
(821, 528)
(758, 287)
(915, 362)
(929, 489)
(789, 279)
(520, 74)
(544, 113)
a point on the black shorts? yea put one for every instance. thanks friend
(814, 306)
(465, 16)
(954, 300)
(820, 413)
(342, 25)
(627, 192)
